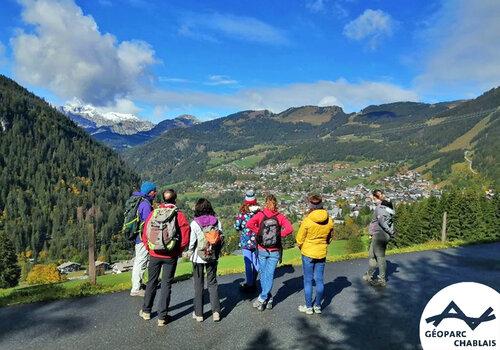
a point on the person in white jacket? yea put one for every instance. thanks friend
(204, 250)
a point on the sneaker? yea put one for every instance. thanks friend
(367, 278)
(379, 282)
(269, 304)
(145, 315)
(216, 316)
(317, 309)
(137, 293)
(197, 318)
(259, 305)
(306, 310)
(162, 323)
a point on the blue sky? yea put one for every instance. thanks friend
(159, 59)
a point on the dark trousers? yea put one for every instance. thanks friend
(155, 265)
(199, 284)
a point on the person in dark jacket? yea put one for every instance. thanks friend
(164, 261)
(148, 194)
(381, 231)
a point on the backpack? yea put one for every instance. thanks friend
(132, 224)
(209, 243)
(269, 235)
(162, 229)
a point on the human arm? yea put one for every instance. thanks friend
(193, 237)
(286, 226)
(301, 234)
(185, 230)
(254, 223)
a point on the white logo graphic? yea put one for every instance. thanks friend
(464, 315)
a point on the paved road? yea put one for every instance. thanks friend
(355, 316)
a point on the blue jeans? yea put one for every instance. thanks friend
(267, 264)
(313, 270)
(251, 265)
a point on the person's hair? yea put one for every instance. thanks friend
(315, 200)
(377, 193)
(169, 196)
(203, 207)
(271, 202)
(245, 208)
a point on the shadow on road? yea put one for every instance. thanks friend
(45, 319)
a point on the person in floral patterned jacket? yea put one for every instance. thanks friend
(248, 241)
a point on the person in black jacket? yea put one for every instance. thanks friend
(381, 231)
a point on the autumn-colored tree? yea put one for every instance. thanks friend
(44, 274)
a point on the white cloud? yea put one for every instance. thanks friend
(327, 6)
(163, 79)
(69, 55)
(316, 6)
(372, 26)
(121, 105)
(220, 80)
(211, 26)
(351, 96)
(462, 45)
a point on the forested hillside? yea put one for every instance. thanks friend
(419, 134)
(48, 168)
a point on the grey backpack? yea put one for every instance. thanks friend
(161, 231)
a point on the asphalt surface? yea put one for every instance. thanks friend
(355, 316)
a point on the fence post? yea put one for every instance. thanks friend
(91, 228)
(443, 228)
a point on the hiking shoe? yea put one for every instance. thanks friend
(379, 282)
(259, 305)
(269, 304)
(216, 316)
(145, 315)
(367, 278)
(246, 288)
(162, 323)
(197, 318)
(306, 310)
(137, 293)
(317, 309)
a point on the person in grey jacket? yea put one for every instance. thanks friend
(381, 230)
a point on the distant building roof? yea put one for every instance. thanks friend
(68, 264)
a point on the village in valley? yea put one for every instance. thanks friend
(349, 183)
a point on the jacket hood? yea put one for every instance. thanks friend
(388, 206)
(140, 194)
(268, 212)
(318, 216)
(206, 220)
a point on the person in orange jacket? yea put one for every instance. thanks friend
(270, 226)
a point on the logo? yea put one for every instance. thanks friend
(471, 322)
(461, 316)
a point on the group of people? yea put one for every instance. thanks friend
(162, 234)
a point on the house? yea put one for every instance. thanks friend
(101, 267)
(69, 267)
(123, 266)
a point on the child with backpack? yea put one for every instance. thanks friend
(270, 226)
(248, 241)
(165, 236)
(204, 248)
(315, 233)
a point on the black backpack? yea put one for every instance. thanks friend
(269, 232)
(132, 224)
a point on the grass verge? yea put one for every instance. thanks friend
(227, 265)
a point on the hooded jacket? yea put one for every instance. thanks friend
(382, 224)
(254, 224)
(144, 209)
(315, 234)
(184, 233)
(196, 231)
